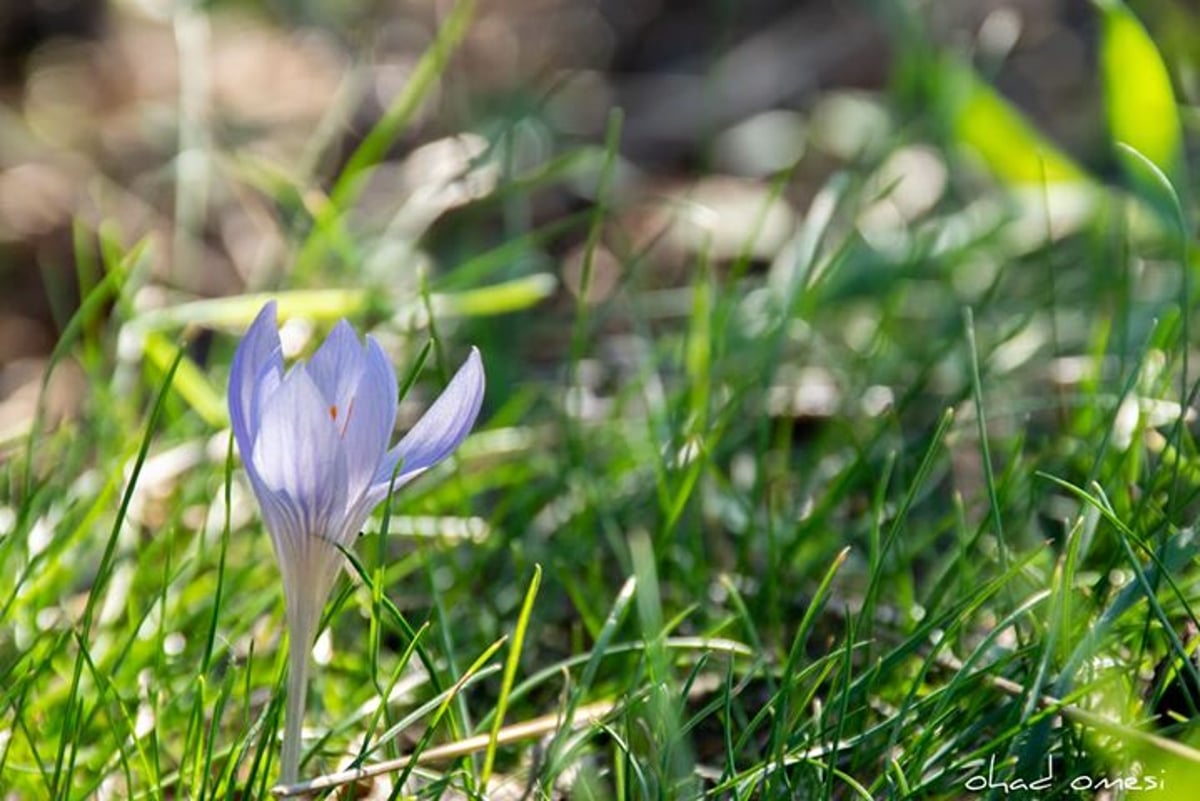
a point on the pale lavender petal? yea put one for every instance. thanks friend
(265, 385)
(280, 514)
(262, 388)
(309, 566)
(258, 351)
(439, 431)
(369, 420)
(337, 366)
(358, 512)
(299, 458)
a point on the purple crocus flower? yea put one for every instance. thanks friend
(314, 441)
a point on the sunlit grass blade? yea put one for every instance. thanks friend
(190, 382)
(510, 674)
(451, 696)
(603, 640)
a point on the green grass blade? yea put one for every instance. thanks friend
(510, 674)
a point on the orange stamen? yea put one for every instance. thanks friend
(333, 412)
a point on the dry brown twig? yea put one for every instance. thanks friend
(525, 730)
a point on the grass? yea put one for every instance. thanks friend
(886, 512)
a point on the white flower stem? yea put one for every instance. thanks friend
(299, 652)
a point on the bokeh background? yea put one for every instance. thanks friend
(166, 119)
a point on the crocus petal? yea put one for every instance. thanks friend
(259, 350)
(266, 383)
(299, 458)
(370, 418)
(337, 366)
(439, 431)
(314, 444)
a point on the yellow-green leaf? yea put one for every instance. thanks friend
(502, 298)
(1006, 142)
(1140, 102)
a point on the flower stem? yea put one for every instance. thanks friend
(297, 691)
